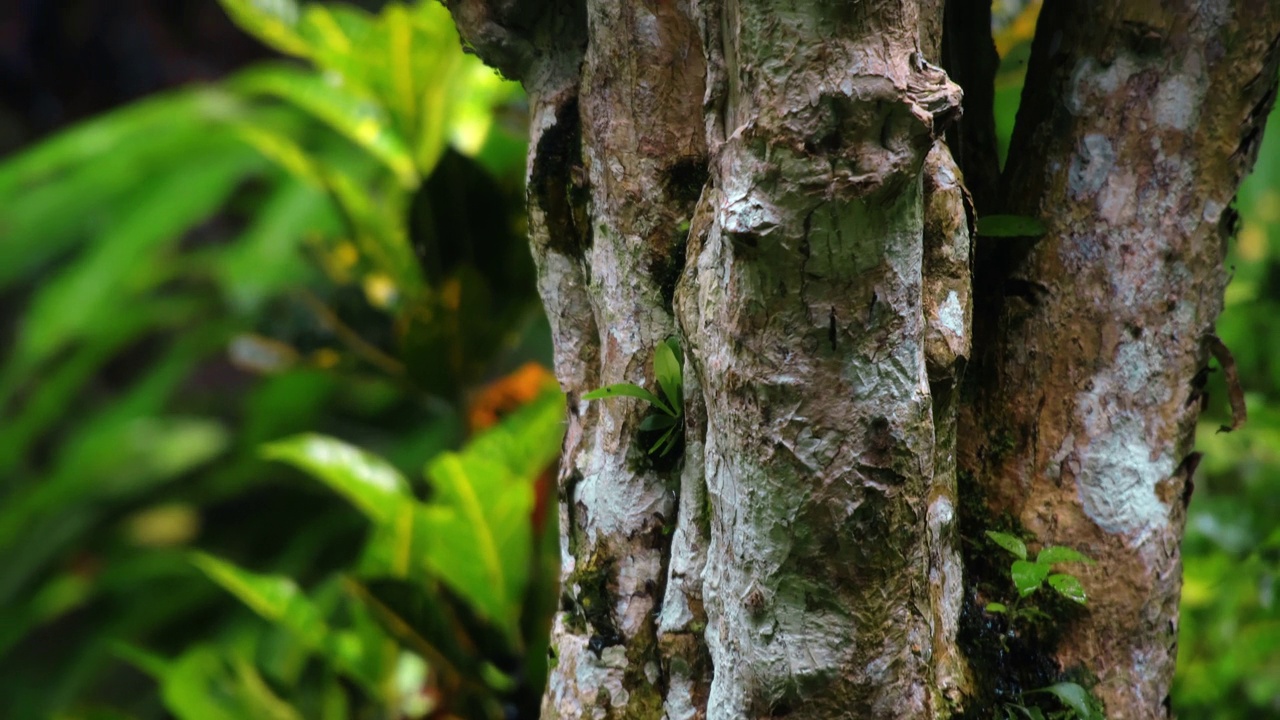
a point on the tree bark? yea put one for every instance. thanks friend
(1138, 122)
(767, 182)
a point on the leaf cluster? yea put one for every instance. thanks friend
(1031, 575)
(667, 412)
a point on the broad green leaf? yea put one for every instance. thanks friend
(399, 543)
(277, 599)
(117, 456)
(283, 151)
(466, 548)
(274, 22)
(107, 455)
(62, 380)
(259, 694)
(341, 38)
(354, 114)
(1009, 542)
(1074, 697)
(1010, 226)
(376, 488)
(349, 41)
(1055, 554)
(476, 533)
(103, 169)
(628, 390)
(1068, 586)
(527, 440)
(479, 92)
(1028, 576)
(666, 367)
(996, 607)
(416, 616)
(281, 602)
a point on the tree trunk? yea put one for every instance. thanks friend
(767, 182)
(1137, 124)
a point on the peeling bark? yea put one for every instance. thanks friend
(767, 181)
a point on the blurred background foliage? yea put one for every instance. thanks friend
(324, 238)
(277, 224)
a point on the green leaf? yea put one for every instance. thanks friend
(277, 599)
(1068, 586)
(144, 660)
(1074, 697)
(1010, 226)
(274, 22)
(996, 607)
(1027, 576)
(1009, 542)
(476, 533)
(104, 138)
(128, 259)
(666, 442)
(266, 258)
(368, 482)
(104, 168)
(666, 367)
(466, 548)
(359, 117)
(657, 422)
(201, 686)
(629, 390)
(281, 602)
(1057, 554)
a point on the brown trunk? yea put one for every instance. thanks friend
(1137, 124)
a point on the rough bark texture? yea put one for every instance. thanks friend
(766, 181)
(806, 313)
(1138, 121)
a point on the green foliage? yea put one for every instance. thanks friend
(1029, 576)
(223, 266)
(480, 551)
(1077, 704)
(668, 367)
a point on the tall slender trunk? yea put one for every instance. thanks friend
(767, 182)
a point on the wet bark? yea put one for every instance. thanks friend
(767, 181)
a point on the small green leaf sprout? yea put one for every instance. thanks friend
(1031, 575)
(668, 411)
